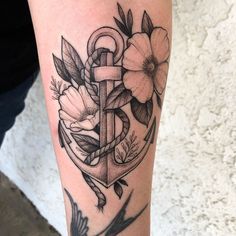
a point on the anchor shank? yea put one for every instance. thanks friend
(103, 117)
(107, 124)
(107, 118)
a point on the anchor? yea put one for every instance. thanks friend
(106, 73)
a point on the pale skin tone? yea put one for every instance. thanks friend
(76, 21)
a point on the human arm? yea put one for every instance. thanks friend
(107, 103)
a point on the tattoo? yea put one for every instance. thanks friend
(113, 84)
(79, 224)
(129, 149)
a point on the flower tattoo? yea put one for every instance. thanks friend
(78, 110)
(146, 60)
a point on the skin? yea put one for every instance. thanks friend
(76, 21)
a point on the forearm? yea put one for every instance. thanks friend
(107, 77)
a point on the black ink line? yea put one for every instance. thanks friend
(120, 223)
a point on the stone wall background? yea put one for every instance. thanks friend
(194, 189)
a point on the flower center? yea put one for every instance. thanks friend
(150, 66)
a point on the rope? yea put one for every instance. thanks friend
(108, 147)
(126, 124)
(100, 196)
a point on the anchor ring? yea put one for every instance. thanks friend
(110, 32)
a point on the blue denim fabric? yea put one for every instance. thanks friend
(12, 103)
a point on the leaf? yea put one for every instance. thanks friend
(130, 22)
(121, 13)
(97, 129)
(125, 25)
(118, 189)
(61, 69)
(159, 102)
(122, 27)
(142, 111)
(118, 97)
(86, 143)
(147, 25)
(72, 61)
(122, 181)
(119, 156)
(56, 87)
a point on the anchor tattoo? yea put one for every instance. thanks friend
(113, 86)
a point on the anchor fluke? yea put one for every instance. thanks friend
(116, 170)
(150, 132)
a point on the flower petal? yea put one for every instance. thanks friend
(87, 124)
(71, 102)
(140, 85)
(66, 118)
(88, 102)
(161, 77)
(160, 44)
(139, 49)
(75, 128)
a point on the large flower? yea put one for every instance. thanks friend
(78, 110)
(146, 60)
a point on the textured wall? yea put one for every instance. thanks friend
(194, 190)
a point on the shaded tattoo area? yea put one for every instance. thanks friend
(79, 223)
(114, 85)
